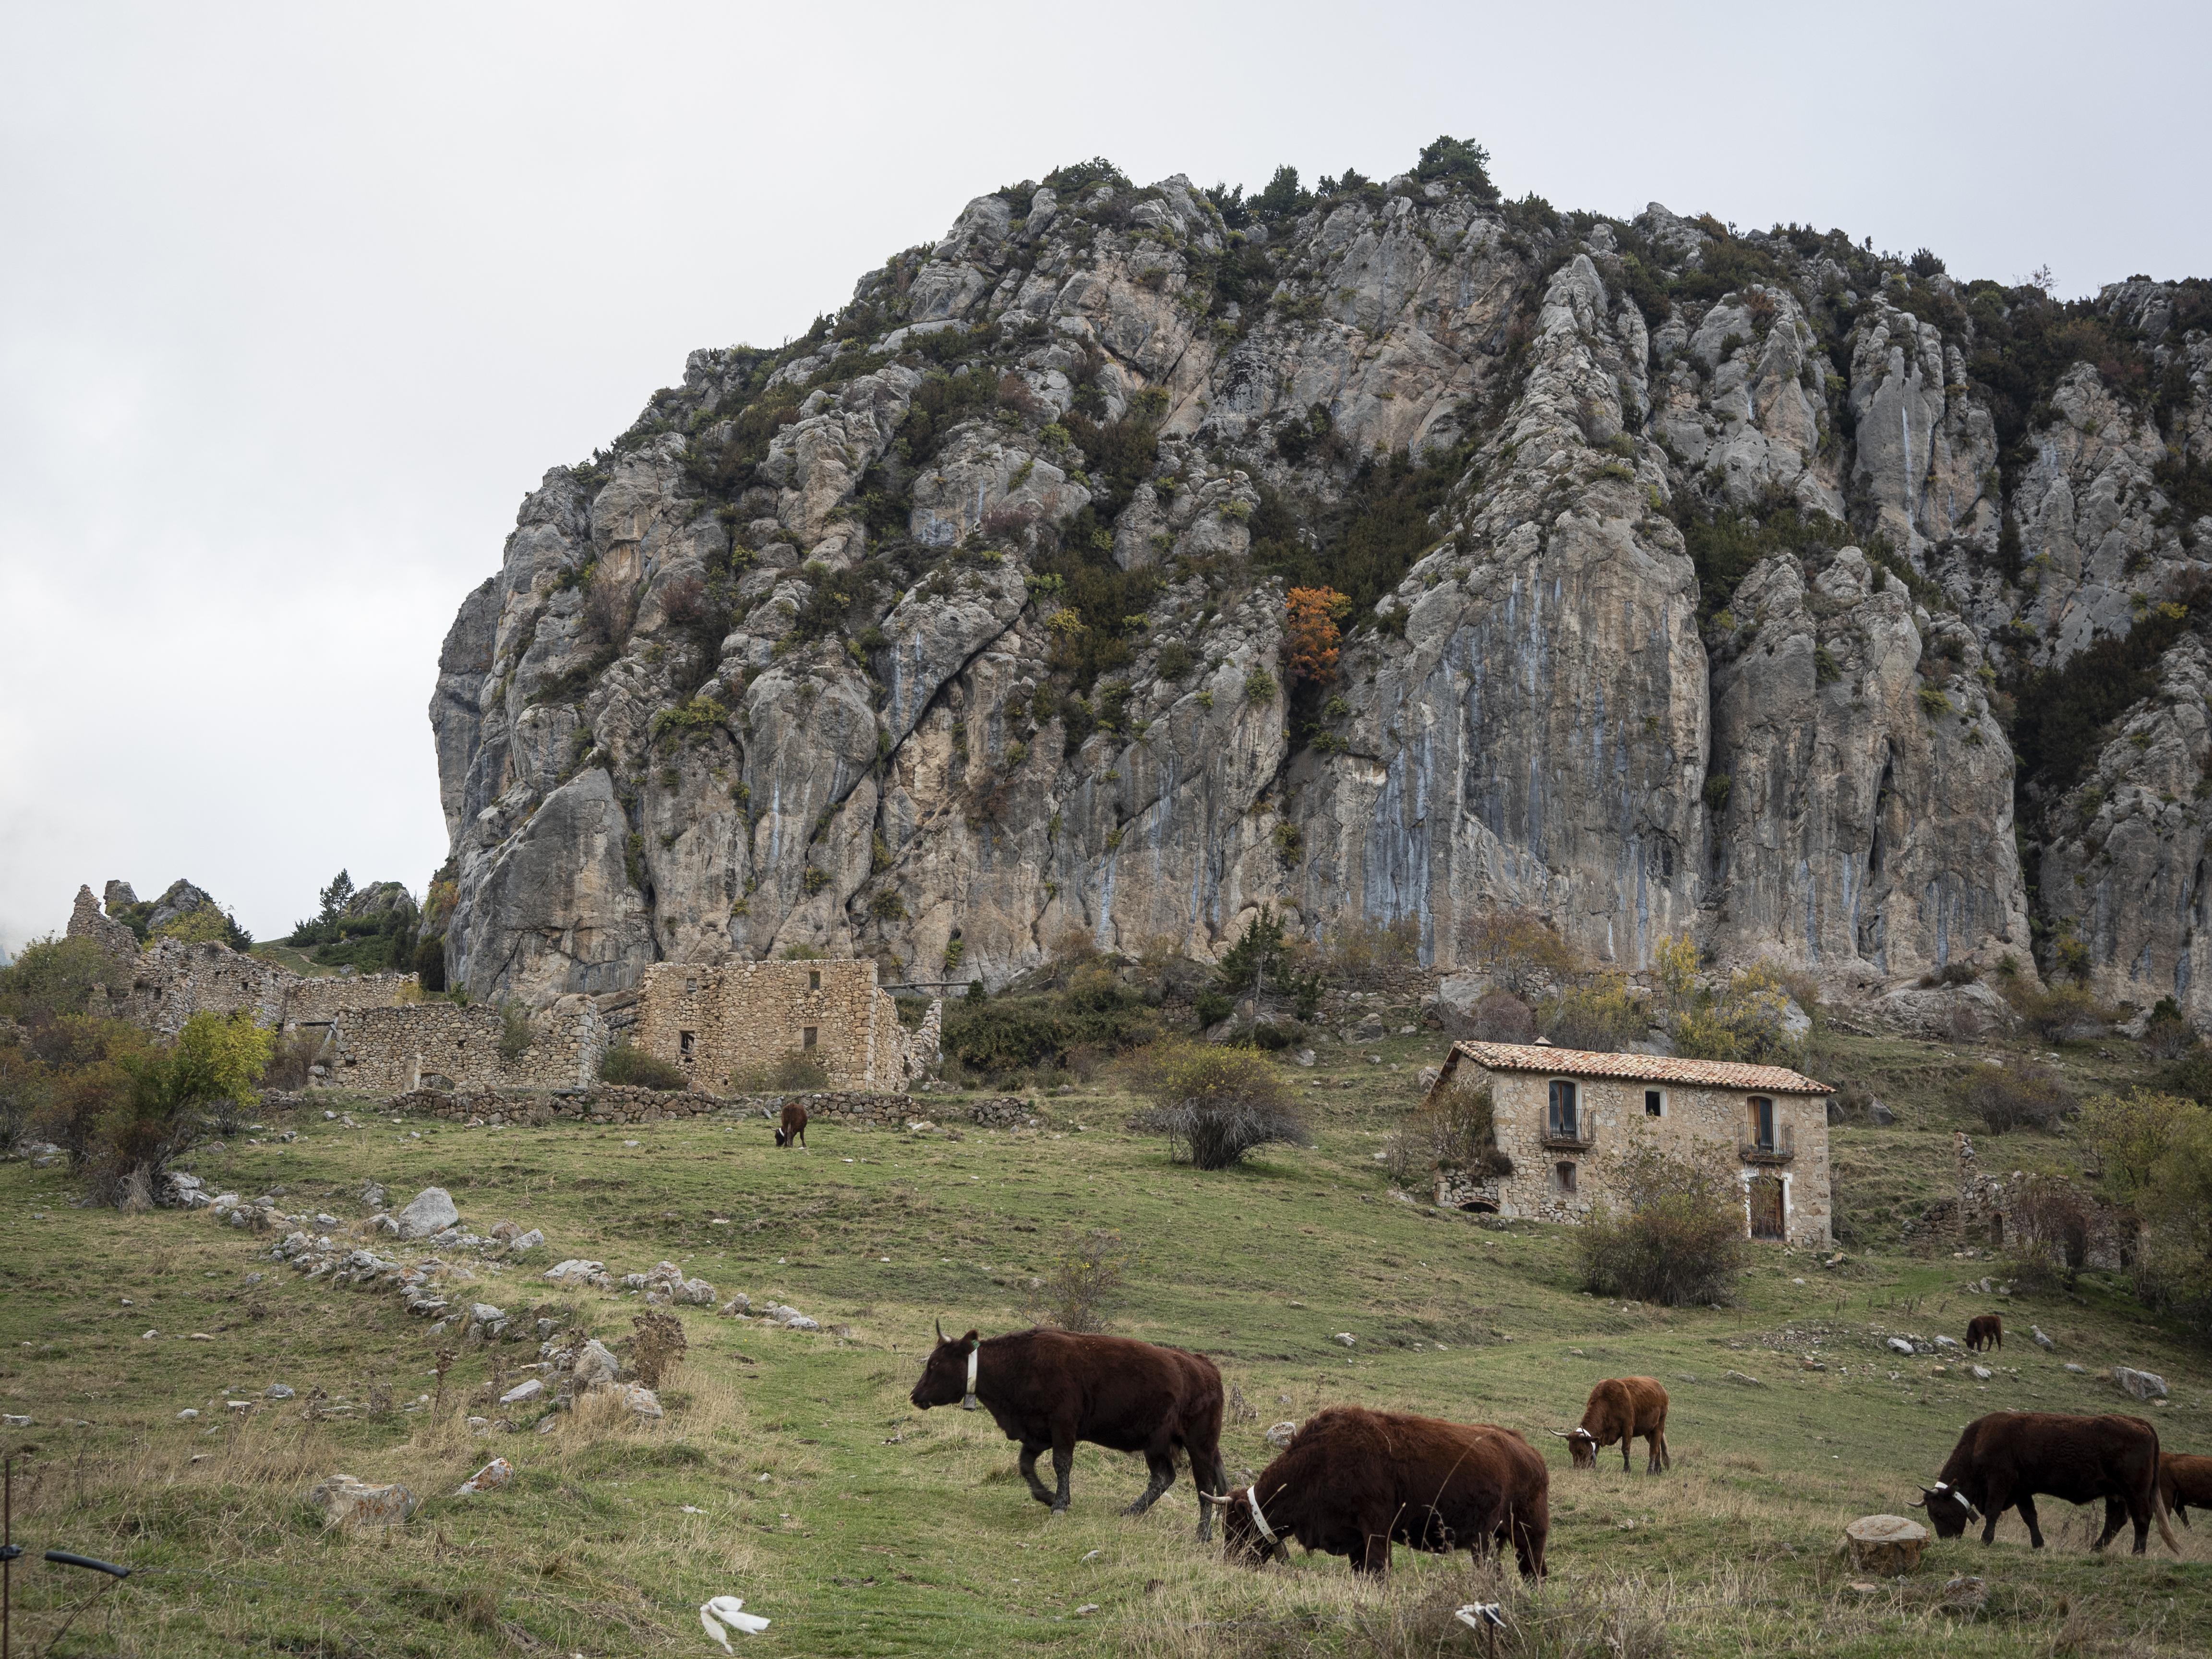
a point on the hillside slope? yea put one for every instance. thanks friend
(1698, 579)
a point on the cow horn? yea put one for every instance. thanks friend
(940, 1328)
(1564, 1434)
(1217, 1498)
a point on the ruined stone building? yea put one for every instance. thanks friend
(718, 1020)
(1563, 1117)
(2027, 1213)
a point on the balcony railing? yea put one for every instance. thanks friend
(1780, 1149)
(1576, 1137)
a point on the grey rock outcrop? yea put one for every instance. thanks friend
(430, 1210)
(1866, 822)
(821, 656)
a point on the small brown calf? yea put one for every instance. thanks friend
(1984, 1331)
(2183, 1480)
(1620, 1408)
(793, 1132)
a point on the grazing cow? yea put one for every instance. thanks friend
(1984, 1331)
(1352, 1481)
(2006, 1458)
(1051, 1389)
(1620, 1408)
(2183, 1480)
(793, 1131)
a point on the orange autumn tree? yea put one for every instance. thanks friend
(1311, 634)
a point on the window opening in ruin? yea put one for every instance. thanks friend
(1762, 1123)
(685, 1041)
(814, 979)
(690, 987)
(1566, 1175)
(1655, 1102)
(1563, 1109)
(806, 1037)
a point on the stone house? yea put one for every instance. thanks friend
(716, 1019)
(1562, 1116)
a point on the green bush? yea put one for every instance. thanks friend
(2007, 1097)
(1000, 1035)
(795, 1071)
(1215, 1104)
(514, 1032)
(629, 1066)
(1454, 1130)
(1602, 1018)
(2156, 1154)
(51, 977)
(1675, 1237)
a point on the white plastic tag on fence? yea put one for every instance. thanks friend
(729, 1610)
(1475, 1614)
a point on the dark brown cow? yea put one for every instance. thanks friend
(2183, 1480)
(1620, 1408)
(1051, 1388)
(1984, 1331)
(2008, 1457)
(1352, 1481)
(792, 1132)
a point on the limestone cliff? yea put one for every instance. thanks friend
(1682, 563)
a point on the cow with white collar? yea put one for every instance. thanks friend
(1353, 1481)
(1046, 1387)
(2005, 1460)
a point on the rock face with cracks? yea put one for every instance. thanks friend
(955, 630)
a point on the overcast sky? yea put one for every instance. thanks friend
(297, 302)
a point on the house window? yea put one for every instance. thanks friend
(1564, 1171)
(1655, 1102)
(814, 979)
(806, 1037)
(1563, 1109)
(683, 1042)
(1762, 1123)
(690, 987)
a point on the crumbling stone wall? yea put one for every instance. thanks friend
(412, 1046)
(721, 1019)
(116, 941)
(2030, 1213)
(321, 1001)
(607, 1103)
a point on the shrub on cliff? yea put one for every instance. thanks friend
(628, 1065)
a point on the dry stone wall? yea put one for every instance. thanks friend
(538, 1108)
(400, 1049)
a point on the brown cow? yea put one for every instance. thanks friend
(2183, 1480)
(1620, 1408)
(2007, 1457)
(1352, 1481)
(1051, 1389)
(1984, 1331)
(792, 1133)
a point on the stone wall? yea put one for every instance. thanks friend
(87, 921)
(722, 1019)
(321, 1001)
(606, 1103)
(2029, 1214)
(399, 1049)
(1695, 1119)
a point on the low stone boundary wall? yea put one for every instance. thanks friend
(533, 1108)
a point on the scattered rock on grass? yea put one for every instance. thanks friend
(490, 1478)
(346, 1502)
(430, 1210)
(1280, 1434)
(2139, 1385)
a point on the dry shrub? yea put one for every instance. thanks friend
(2169, 1034)
(610, 609)
(656, 1346)
(1079, 1288)
(1215, 1104)
(1360, 950)
(2059, 1014)
(1501, 1017)
(1516, 948)
(1452, 1130)
(795, 1071)
(290, 1058)
(1604, 1018)
(626, 1064)
(2025, 1095)
(1675, 1237)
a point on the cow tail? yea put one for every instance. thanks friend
(2158, 1508)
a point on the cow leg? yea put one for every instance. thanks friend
(1038, 1490)
(1205, 1468)
(1063, 1469)
(1163, 1469)
(1627, 1442)
(1374, 1555)
(1651, 1444)
(2026, 1514)
(2116, 1517)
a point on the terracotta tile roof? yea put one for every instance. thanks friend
(1641, 1068)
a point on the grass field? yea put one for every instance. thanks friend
(791, 1469)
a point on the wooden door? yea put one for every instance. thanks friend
(1766, 1208)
